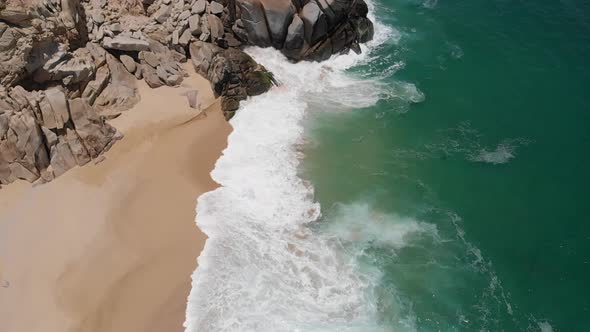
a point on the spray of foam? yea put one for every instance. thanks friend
(359, 224)
(466, 141)
(262, 269)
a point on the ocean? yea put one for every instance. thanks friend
(436, 182)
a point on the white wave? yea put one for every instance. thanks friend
(501, 155)
(262, 269)
(544, 326)
(359, 223)
(430, 4)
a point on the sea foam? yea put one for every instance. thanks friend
(262, 268)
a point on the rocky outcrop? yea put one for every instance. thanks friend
(43, 134)
(304, 30)
(233, 74)
(68, 66)
(31, 35)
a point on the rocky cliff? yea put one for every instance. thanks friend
(67, 66)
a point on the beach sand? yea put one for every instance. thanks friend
(111, 247)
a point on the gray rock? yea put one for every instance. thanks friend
(116, 28)
(315, 22)
(199, 7)
(50, 137)
(7, 40)
(173, 80)
(162, 73)
(215, 27)
(254, 23)
(151, 77)
(151, 59)
(15, 16)
(295, 34)
(57, 101)
(47, 114)
(162, 14)
(194, 25)
(231, 40)
(123, 43)
(107, 32)
(364, 29)
(215, 8)
(122, 93)
(184, 15)
(139, 72)
(19, 171)
(278, 14)
(22, 97)
(77, 148)
(157, 47)
(96, 86)
(240, 31)
(201, 56)
(98, 53)
(205, 25)
(185, 38)
(94, 133)
(128, 62)
(62, 158)
(4, 118)
(99, 35)
(97, 17)
(78, 65)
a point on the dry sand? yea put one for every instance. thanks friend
(111, 247)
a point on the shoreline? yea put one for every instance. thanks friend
(112, 246)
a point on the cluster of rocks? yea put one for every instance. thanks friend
(305, 29)
(44, 134)
(233, 74)
(68, 66)
(178, 23)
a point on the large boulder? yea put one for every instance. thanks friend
(93, 131)
(278, 14)
(252, 17)
(316, 25)
(22, 152)
(295, 34)
(124, 43)
(233, 74)
(54, 108)
(215, 27)
(95, 87)
(121, 93)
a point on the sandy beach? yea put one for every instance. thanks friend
(111, 246)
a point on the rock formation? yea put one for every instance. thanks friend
(233, 74)
(304, 29)
(67, 66)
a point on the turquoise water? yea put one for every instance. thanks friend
(463, 190)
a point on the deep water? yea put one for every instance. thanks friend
(464, 190)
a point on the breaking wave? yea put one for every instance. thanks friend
(263, 268)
